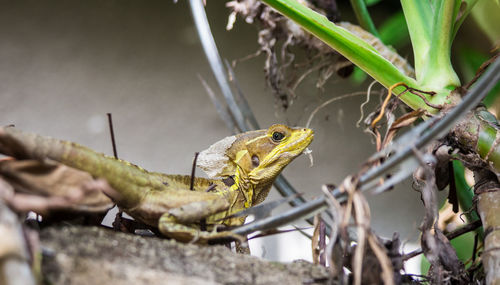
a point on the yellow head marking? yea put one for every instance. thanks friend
(239, 155)
(255, 139)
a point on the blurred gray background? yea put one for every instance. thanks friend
(65, 64)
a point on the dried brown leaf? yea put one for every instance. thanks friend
(315, 240)
(43, 186)
(401, 122)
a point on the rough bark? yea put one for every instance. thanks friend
(78, 255)
(488, 206)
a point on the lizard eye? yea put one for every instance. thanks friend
(277, 136)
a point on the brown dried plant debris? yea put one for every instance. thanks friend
(445, 268)
(285, 44)
(371, 260)
(318, 241)
(44, 187)
(374, 268)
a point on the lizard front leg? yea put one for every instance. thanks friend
(180, 223)
(169, 226)
(176, 213)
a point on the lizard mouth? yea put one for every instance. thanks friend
(297, 145)
(300, 142)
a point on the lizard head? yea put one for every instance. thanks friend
(264, 156)
(255, 157)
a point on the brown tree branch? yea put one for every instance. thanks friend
(15, 262)
(487, 190)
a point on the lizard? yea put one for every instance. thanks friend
(241, 170)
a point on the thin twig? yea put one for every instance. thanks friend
(421, 96)
(112, 133)
(193, 171)
(465, 229)
(474, 248)
(276, 232)
(440, 127)
(481, 70)
(386, 101)
(322, 242)
(117, 223)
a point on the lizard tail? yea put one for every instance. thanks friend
(131, 181)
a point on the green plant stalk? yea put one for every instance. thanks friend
(363, 16)
(438, 71)
(393, 31)
(494, 157)
(477, 133)
(431, 32)
(357, 51)
(486, 141)
(418, 16)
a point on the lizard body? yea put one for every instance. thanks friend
(241, 168)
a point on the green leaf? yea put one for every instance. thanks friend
(394, 31)
(371, 2)
(485, 13)
(464, 192)
(470, 60)
(431, 31)
(464, 245)
(437, 71)
(419, 17)
(356, 50)
(492, 96)
(358, 76)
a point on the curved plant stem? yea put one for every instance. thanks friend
(213, 57)
(363, 16)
